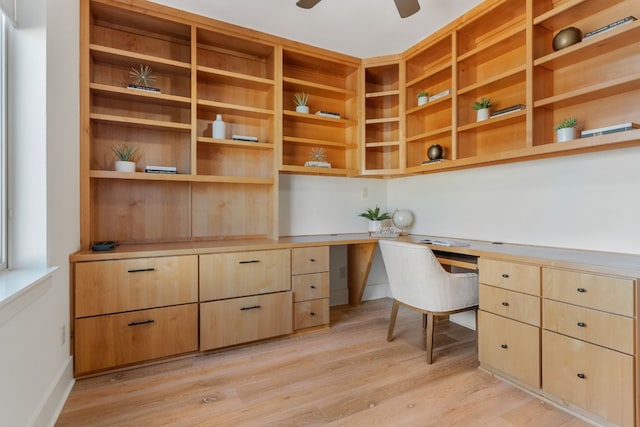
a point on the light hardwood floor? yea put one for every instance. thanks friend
(348, 375)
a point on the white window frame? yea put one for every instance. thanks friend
(3, 143)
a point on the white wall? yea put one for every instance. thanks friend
(35, 361)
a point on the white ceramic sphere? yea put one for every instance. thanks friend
(402, 218)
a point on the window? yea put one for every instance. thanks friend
(3, 142)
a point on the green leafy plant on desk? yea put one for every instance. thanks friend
(375, 217)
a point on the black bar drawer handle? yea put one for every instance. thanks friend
(250, 307)
(505, 303)
(582, 376)
(505, 275)
(252, 261)
(582, 290)
(140, 270)
(504, 346)
(582, 324)
(144, 322)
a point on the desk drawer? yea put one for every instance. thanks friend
(310, 286)
(103, 287)
(310, 260)
(310, 313)
(510, 275)
(241, 274)
(514, 305)
(597, 327)
(110, 341)
(611, 294)
(594, 378)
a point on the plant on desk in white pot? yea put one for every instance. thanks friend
(125, 157)
(375, 218)
(566, 129)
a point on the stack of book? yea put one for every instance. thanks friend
(609, 27)
(609, 129)
(244, 138)
(507, 110)
(439, 95)
(330, 114)
(160, 169)
(147, 88)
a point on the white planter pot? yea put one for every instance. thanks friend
(423, 100)
(482, 114)
(122, 166)
(302, 109)
(374, 226)
(565, 134)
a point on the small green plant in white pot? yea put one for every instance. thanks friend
(423, 97)
(125, 156)
(566, 129)
(482, 108)
(301, 100)
(375, 217)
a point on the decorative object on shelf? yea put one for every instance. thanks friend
(435, 152)
(125, 155)
(143, 79)
(402, 219)
(507, 110)
(245, 138)
(609, 27)
(375, 218)
(439, 95)
(609, 129)
(318, 158)
(567, 37)
(160, 169)
(301, 100)
(329, 114)
(566, 129)
(386, 232)
(482, 108)
(218, 127)
(423, 97)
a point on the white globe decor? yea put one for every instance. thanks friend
(402, 219)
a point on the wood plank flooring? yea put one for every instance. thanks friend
(348, 375)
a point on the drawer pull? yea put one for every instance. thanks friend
(312, 286)
(251, 261)
(312, 313)
(250, 307)
(582, 324)
(312, 260)
(505, 303)
(582, 290)
(140, 270)
(582, 376)
(505, 275)
(144, 322)
(504, 346)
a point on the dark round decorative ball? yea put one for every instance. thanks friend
(435, 152)
(566, 38)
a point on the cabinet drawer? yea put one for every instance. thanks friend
(611, 294)
(605, 329)
(510, 275)
(244, 273)
(103, 287)
(240, 320)
(510, 347)
(594, 378)
(309, 260)
(515, 305)
(109, 341)
(310, 286)
(310, 313)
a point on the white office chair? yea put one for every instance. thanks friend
(418, 281)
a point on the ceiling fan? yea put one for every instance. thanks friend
(405, 7)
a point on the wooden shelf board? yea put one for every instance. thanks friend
(317, 171)
(133, 59)
(299, 85)
(383, 120)
(495, 122)
(234, 143)
(507, 41)
(103, 174)
(234, 79)
(506, 78)
(430, 134)
(310, 141)
(430, 104)
(144, 123)
(560, 9)
(313, 118)
(382, 144)
(125, 92)
(395, 92)
(432, 72)
(243, 110)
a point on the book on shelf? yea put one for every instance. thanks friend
(317, 164)
(145, 88)
(439, 95)
(428, 162)
(244, 138)
(609, 27)
(507, 110)
(609, 129)
(331, 114)
(160, 169)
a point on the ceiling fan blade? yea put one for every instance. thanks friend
(405, 7)
(307, 4)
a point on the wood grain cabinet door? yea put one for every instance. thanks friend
(309, 260)
(310, 286)
(510, 275)
(307, 314)
(514, 305)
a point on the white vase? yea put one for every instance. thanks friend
(482, 114)
(374, 226)
(218, 127)
(565, 134)
(423, 100)
(124, 166)
(302, 109)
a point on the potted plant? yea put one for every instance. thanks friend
(124, 155)
(423, 97)
(375, 218)
(566, 129)
(301, 100)
(482, 108)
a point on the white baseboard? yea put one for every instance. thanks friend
(51, 407)
(377, 291)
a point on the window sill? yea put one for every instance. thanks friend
(20, 288)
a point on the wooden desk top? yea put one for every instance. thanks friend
(602, 262)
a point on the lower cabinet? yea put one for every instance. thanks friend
(310, 285)
(103, 342)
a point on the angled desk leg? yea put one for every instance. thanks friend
(359, 265)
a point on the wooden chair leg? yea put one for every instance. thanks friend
(424, 320)
(429, 336)
(392, 321)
